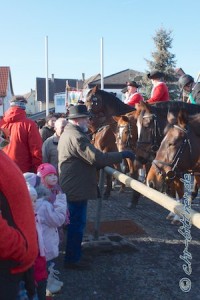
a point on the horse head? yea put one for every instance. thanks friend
(94, 101)
(178, 153)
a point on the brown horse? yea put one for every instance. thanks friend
(179, 153)
(126, 136)
(126, 139)
(103, 106)
(104, 140)
(151, 123)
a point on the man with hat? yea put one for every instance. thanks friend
(78, 160)
(134, 96)
(25, 147)
(160, 90)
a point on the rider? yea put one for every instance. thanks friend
(160, 90)
(134, 96)
(189, 88)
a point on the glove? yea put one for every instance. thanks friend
(128, 154)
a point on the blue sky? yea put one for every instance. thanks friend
(75, 28)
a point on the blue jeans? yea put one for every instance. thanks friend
(75, 230)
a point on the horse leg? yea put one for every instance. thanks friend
(195, 187)
(135, 195)
(177, 191)
(108, 189)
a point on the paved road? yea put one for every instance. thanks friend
(143, 265)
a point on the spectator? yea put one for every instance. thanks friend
(190, 89)
(78, 160)
(40, 267)
(18, 240)
(25, 147)
(52, 214)
(134, 96)
(48, 129)
(160, 90)
(49, 147)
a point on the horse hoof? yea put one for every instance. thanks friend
(176, 222)
(170, 216)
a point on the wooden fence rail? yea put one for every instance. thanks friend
(153, 195)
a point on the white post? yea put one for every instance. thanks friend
(102, 65)
(47, 76)
(66, 95)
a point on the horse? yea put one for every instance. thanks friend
(151, 123)
(126, 139)
(103, 106)
(179, 153)
(104, 140)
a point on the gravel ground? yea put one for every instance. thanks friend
(136, 266)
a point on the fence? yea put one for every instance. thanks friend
(159, 198)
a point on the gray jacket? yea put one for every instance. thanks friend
(49, 151)
(78, 161)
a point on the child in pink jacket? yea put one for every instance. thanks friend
(53, 214)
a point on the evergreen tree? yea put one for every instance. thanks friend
(164, 61)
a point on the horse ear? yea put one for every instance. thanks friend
(125, 118)
(116, 118)
(96, 88)
(182, 118)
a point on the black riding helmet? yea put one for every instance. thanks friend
(184, 80)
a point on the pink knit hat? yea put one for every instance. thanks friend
(46, 169)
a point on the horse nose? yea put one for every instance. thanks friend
(151, 184)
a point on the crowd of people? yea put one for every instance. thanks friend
(47, 177)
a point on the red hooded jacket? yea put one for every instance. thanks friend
(25, 147)
(18, 242)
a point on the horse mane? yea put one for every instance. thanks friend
(114, 103)
(194, 122)
(174, 106)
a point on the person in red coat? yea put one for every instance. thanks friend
(160, 90)
(18, 239)
(134, 96)
(25, 147)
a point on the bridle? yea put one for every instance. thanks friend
(156, 135)
(170, 175)
(94, 104)
(128, 142)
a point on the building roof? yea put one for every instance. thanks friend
(55, 86)
(118, 80)
(91, 79)
(28, 95)
(5, 76)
